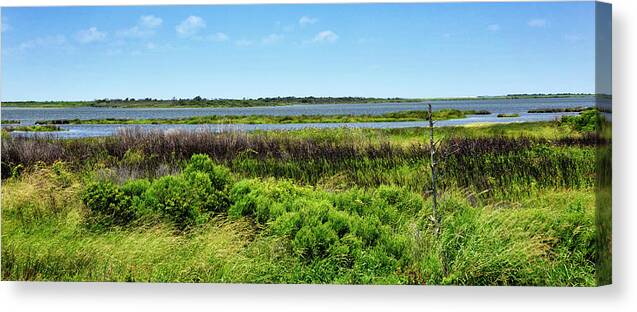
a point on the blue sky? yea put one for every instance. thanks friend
(380, 50)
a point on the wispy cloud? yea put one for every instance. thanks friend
(90, 35)
(218, 37)
(537, 23)
(150, 21)
(145, 27)
(493, 27)
(307, 20)
(190, 26)
(271, 38)
(44, 42)
(326, 36)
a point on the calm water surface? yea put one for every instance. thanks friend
(519, 106)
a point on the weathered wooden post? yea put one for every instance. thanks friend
(432, 155)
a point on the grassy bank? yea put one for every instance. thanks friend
(268, 119)
(34, 128)
(277, 232)
(560, 110)
(310, 206)
(508, 115)
(9, 122)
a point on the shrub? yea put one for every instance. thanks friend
(204, 191)
(174, 199)
(354, 231)
(135, 188)
(586, 121)
(219, 175)
(108, 204)
(185, 200)
(264, 200)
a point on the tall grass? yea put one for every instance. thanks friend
(336, 206)
(278, 232)
(482, 163)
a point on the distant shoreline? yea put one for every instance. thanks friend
(266, 119)
(199, 102)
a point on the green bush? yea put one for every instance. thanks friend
(108, 204)
(135, 190)
(352, 233)
(172, 198)
(190, 198)
(185, 200)
(586, 121)
(219, 176)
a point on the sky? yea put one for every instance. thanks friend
(251, 51)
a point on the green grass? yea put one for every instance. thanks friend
(508, 115)
(348, 206)
(34, 128)
(267, 119)
(544, 239)
(559, 110)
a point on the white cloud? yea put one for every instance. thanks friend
(493, 27)
(41, 42)
(218, 37)
(135, 32)
(90, 35)
(243, 43)
(190, 26)
(537, 22)
(326, 36)
(306, 20)
(150, 21)
(145, 27)
(272, 38)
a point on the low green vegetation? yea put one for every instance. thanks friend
(203, 102)
(199, 101)
(9, 122)
(269, 119)
(586, 121)
(273, 231)
(508, 115)
(349, 206)
(33, 128)
(560, 110)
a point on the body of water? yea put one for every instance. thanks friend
(519, 106)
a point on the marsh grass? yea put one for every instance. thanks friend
(34, 128)
(291, 119)
(507, 115)
(338, 206)
(545, 239)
